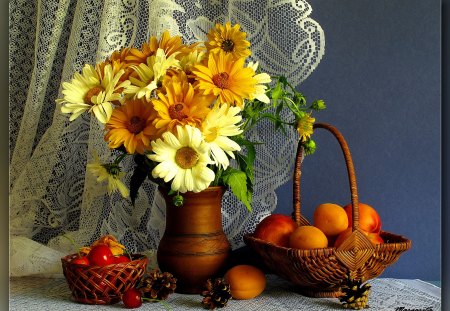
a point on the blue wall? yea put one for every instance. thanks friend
(380, 78)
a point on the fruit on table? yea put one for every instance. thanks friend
(275, 228)
(132, 298)
(308, 237)
(369, 220)
(100, 255)
(246, 281)
(330, 218)
(374, 237)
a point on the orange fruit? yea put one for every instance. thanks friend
(330, 218)
(369, 220)
(276, 228)
(308, 237)
(246, 282)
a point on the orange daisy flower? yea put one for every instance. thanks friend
(131, 125)
(226, 78)
(180, 105)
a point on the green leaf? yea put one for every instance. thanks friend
(237, 181)
(277, 93)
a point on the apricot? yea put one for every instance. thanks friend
(330, 218)
(369, 220)
(246, 281)
(308, 237)
(275, 228)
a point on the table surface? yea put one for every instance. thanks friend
(49, 294)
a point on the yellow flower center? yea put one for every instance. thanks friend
(92, 92)
(186, 157)
(136, 125)
(176, 112)
(221, 80)
(212, 134)
(228, 45)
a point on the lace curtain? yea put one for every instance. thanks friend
(51, 194)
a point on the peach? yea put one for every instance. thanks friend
(276, 229)
(369, 220)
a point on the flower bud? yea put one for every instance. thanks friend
(309, 146)
(318, 105)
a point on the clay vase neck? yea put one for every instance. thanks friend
(194, 246)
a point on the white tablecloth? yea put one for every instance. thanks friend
(39, 294)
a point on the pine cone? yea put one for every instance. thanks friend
(355, 295)
(157, 285)
(216, 295)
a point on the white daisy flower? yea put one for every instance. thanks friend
(92, 91)
(221, 123)
(260, 91)
(183, 160)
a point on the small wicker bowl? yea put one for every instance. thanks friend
(102, 284)
(321, 272)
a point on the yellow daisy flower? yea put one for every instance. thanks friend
(180, 105)
(260, 88)
(94, 90)
(111, 173)
(221, 123)
(305, 126)
(229, 40)
(168, 44)
(131, 125)
(149, 74)
(226, 78)
(183, 160)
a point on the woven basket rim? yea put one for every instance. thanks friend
(136, 258)
(402, 240)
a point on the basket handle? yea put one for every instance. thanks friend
(350, 172)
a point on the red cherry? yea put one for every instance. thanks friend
(132, 298)
(121, 259)
(81, 261)
(101, 255)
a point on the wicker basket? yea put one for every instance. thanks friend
(102, 284)
(320, 272)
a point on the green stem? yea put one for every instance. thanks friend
(217, 177)
(120, 158)
(74, 244)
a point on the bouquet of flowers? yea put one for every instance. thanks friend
(182, 111)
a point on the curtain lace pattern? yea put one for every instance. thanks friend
(51, 194)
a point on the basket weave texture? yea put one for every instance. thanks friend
(102, 284)
(320, 272)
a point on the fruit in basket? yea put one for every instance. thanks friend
(121, 259)
(114, 245)
(308, 237)
(369, 220)
(132, 298)
(83, 260)
(330, 218)
(275, 228)
(374, 237)
(246, 281)
(100, 255)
